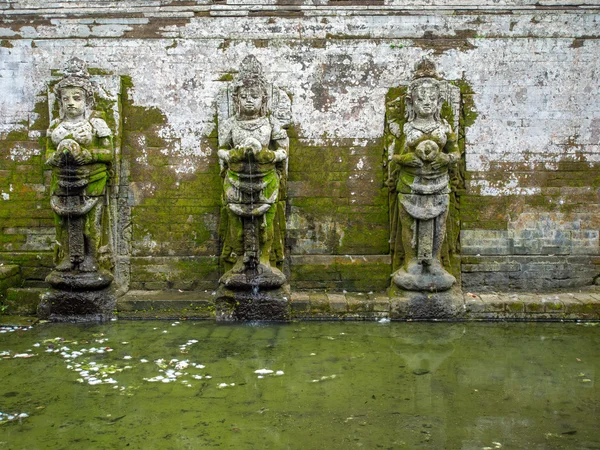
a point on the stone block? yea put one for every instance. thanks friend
(319, 303)
(337, 303)
(23, 301)
(380, 304)
(8, 271)
(399, 308)
(357, 304)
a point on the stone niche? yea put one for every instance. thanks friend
(82, 151)
(253, 115)
(423, 144)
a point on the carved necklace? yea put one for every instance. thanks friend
(427, 127)
(252, 124)
(72, 125)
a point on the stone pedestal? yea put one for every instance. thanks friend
(78, 306)
(411, 305)
(270, 305)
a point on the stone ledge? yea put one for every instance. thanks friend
(583, 304)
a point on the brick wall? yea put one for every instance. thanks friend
(529, 213)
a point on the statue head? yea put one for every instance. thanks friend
(250, 89)
(424, 98)
(75, 92)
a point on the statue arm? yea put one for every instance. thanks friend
(406, 157)
(102, 153)
(280, 140)
(52, 156)
(451, 148)
(281, 148)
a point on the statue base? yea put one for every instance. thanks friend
(79, 281)
(73, 306)
(424, 280)
(411, 305)
(264, 277)
(257, 304)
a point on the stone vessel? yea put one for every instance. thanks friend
(420, 183)
(253, 153)
(79, 151)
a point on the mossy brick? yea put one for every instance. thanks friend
(534, 307)
(583, 310)
(316, 284)
(300, 302)
(553, 306)
(514, 306)
(30, 259)
(23, 301)
(399, 308)
(337, 303)
(475, 306)
(8, 271)
(319, 303)
(379, 304)
(365, 239)
(319, 272)
(491, 302)
(358, 304)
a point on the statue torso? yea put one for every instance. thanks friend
(259, 129)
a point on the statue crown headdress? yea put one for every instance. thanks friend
(76, 67)
(250, 73)
(75, 74)
(426, 68)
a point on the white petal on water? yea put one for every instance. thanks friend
(279, 373)
(263, 371)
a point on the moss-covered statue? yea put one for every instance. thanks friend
(79, 149)
(426, 149)
(253, 151)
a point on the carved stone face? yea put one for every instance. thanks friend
(73, 102)
(425, 100)
(250, 100)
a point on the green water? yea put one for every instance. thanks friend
(344, 385)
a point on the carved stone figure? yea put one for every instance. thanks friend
(253, 152)
(420, 179)
(79, 150)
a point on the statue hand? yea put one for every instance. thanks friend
(264, 156)
(83, 157)
(408, 159)
(68, 146)
(55, 160)
(442, 160)
(237, 154)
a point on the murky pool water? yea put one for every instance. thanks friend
(171, 385)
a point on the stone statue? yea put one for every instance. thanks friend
(420, 179)
(79, 150)
(253, 152)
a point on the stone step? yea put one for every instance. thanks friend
(172, 304)
(23, 301)
(581, 304)
(10, 276)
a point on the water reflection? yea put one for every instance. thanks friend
(343, 385)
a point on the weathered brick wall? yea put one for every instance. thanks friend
(529, 213)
